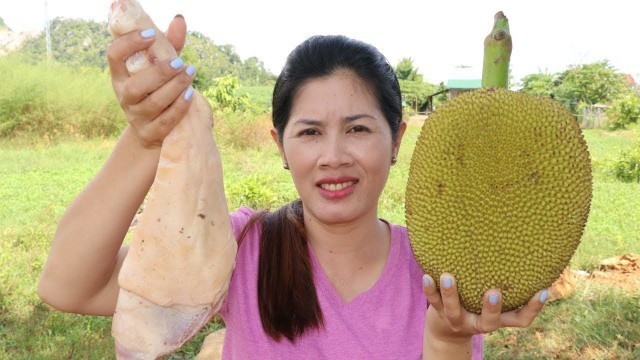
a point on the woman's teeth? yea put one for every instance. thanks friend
(336, 187)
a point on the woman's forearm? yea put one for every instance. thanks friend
(436, 346)
(84, 253)
(434, 349)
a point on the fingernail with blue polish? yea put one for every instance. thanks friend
(493, 299)
(188, 93)
(447, 282)
(177, 63)
(426, 281)
(191, 70)
(149, 33)
(544, 295)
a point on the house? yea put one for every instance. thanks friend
(463, 80)
(459, 86)
(630, 81)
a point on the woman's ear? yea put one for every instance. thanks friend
(276, 139)
(398, 139)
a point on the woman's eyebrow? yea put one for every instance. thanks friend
(358, 116)
(347, 118)
(307, 122)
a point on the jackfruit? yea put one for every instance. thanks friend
(498, 194)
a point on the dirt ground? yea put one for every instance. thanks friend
(621, 272)
(416, 119)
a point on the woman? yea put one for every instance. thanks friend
(322, 277)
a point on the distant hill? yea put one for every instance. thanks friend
(10, 41)
(73, 42)
(84, 42)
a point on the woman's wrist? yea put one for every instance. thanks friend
(450, 349)
(132, 136)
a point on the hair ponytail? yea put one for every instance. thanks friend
(287, 296)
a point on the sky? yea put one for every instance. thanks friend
(439, 36)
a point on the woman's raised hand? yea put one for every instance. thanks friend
(447, 322)
(154, 99)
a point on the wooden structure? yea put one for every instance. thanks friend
(454, 88)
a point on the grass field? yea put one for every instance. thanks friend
(38, 179)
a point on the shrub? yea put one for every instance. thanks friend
(627, 167)
(254, 192)
(625, 110)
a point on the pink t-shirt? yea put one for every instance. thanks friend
(384, 322)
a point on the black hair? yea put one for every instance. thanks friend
(321, 56)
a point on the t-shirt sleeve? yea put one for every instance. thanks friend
(239, 219)
(477, 347)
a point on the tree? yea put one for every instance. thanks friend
(414, 90)
(443, 96)
(254, 73)
(406, 71)
(224, 95)
(538, 84)
(596, 83)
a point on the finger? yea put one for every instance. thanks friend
(167, 120)
(177, 32)
(124, 47)
(524, 317)
(145, 82)
(159, 100)
(450, 299)
(430, 290)
(489, 319)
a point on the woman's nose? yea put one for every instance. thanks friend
(335, 152)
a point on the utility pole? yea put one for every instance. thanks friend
(47, 30)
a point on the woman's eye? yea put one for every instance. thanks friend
(308, 132)
(359, 128)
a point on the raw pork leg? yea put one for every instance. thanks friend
(177, 271)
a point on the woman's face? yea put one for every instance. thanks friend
(338, 146)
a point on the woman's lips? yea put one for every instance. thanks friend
(338, 186)
(337, 189)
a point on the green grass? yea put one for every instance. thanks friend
(596, 322)
(52, 101)
(39, 178)
(614, 220)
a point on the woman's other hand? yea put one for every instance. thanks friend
(449, 326)
(154, 99)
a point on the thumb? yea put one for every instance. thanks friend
(177, 32)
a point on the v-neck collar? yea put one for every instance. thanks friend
(322, 281)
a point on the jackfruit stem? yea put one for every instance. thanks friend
(497, 53)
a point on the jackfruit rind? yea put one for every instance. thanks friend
(498, 194)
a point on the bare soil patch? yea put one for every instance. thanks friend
(416, 119)
(620, 272)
